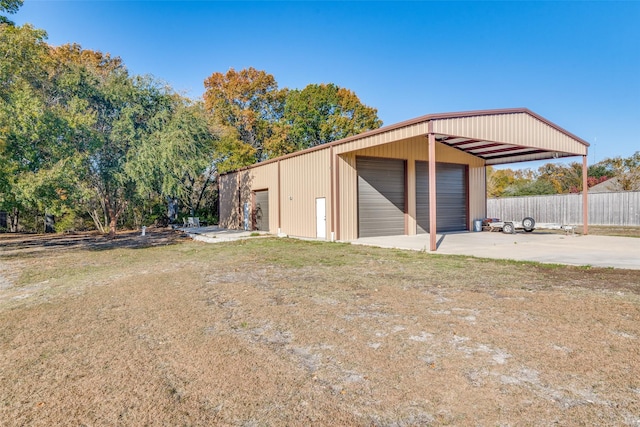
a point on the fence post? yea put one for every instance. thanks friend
(585, 201)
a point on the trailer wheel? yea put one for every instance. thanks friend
(528, 224)
(508, 228)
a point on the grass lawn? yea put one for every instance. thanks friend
(612, 230)
(165, 331)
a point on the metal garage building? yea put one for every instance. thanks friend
(408, 178)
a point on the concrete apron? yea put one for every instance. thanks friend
(597, 251)
(214, 234)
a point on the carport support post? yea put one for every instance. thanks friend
(585, 201)
(432, 191)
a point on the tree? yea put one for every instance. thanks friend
(529, 188)
(25, 122)
(600, 170)
(177, 160)
(322, 113)
(561, 177)
(250, 103)
(70, 112)
(507, 182)
(72, 122)
(626, 170)
(123, 112)
(11, 7)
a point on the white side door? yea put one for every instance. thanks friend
(321, 218)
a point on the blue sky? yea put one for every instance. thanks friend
(575, 63)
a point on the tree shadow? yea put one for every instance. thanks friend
(33, 245)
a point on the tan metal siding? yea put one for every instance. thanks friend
(477, 194)
(303, 179)
(416, 149)
(518, 129)
(248, 181)
(228, 190)
(394, 135)
(264, 178)
(348, 196)
(307, 177)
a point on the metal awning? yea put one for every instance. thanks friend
(497, 152)
(506, 136)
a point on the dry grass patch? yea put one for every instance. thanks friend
(612, 230)
(286, 332)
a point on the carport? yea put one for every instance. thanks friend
(500, 137)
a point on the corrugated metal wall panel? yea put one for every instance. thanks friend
(415, 130)
(477, 193)
(228, 193)
(260, 179)
(518, 129)
(381, 197)
(307, 177)
(348, 196)
(264, 177)
(303, 179)
(247, 181)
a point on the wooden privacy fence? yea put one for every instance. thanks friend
(619, 208)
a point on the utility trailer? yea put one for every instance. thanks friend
(527, 224)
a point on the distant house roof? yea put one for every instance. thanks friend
(608, 186)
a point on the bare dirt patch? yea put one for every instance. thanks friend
(285, 332)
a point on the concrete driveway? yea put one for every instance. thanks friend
(545, 247)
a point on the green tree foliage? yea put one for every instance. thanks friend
(80, 137)
(600, 170)
(263, 121)
(177, 159)
(250, 104)
(626, 170)
(70, 121)
(529, 188)
(231, 153)
(562, 178)
(9, 6)
(123, 110)
(322, 113)
(501, 182)
(24, 120)
(553, 178)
